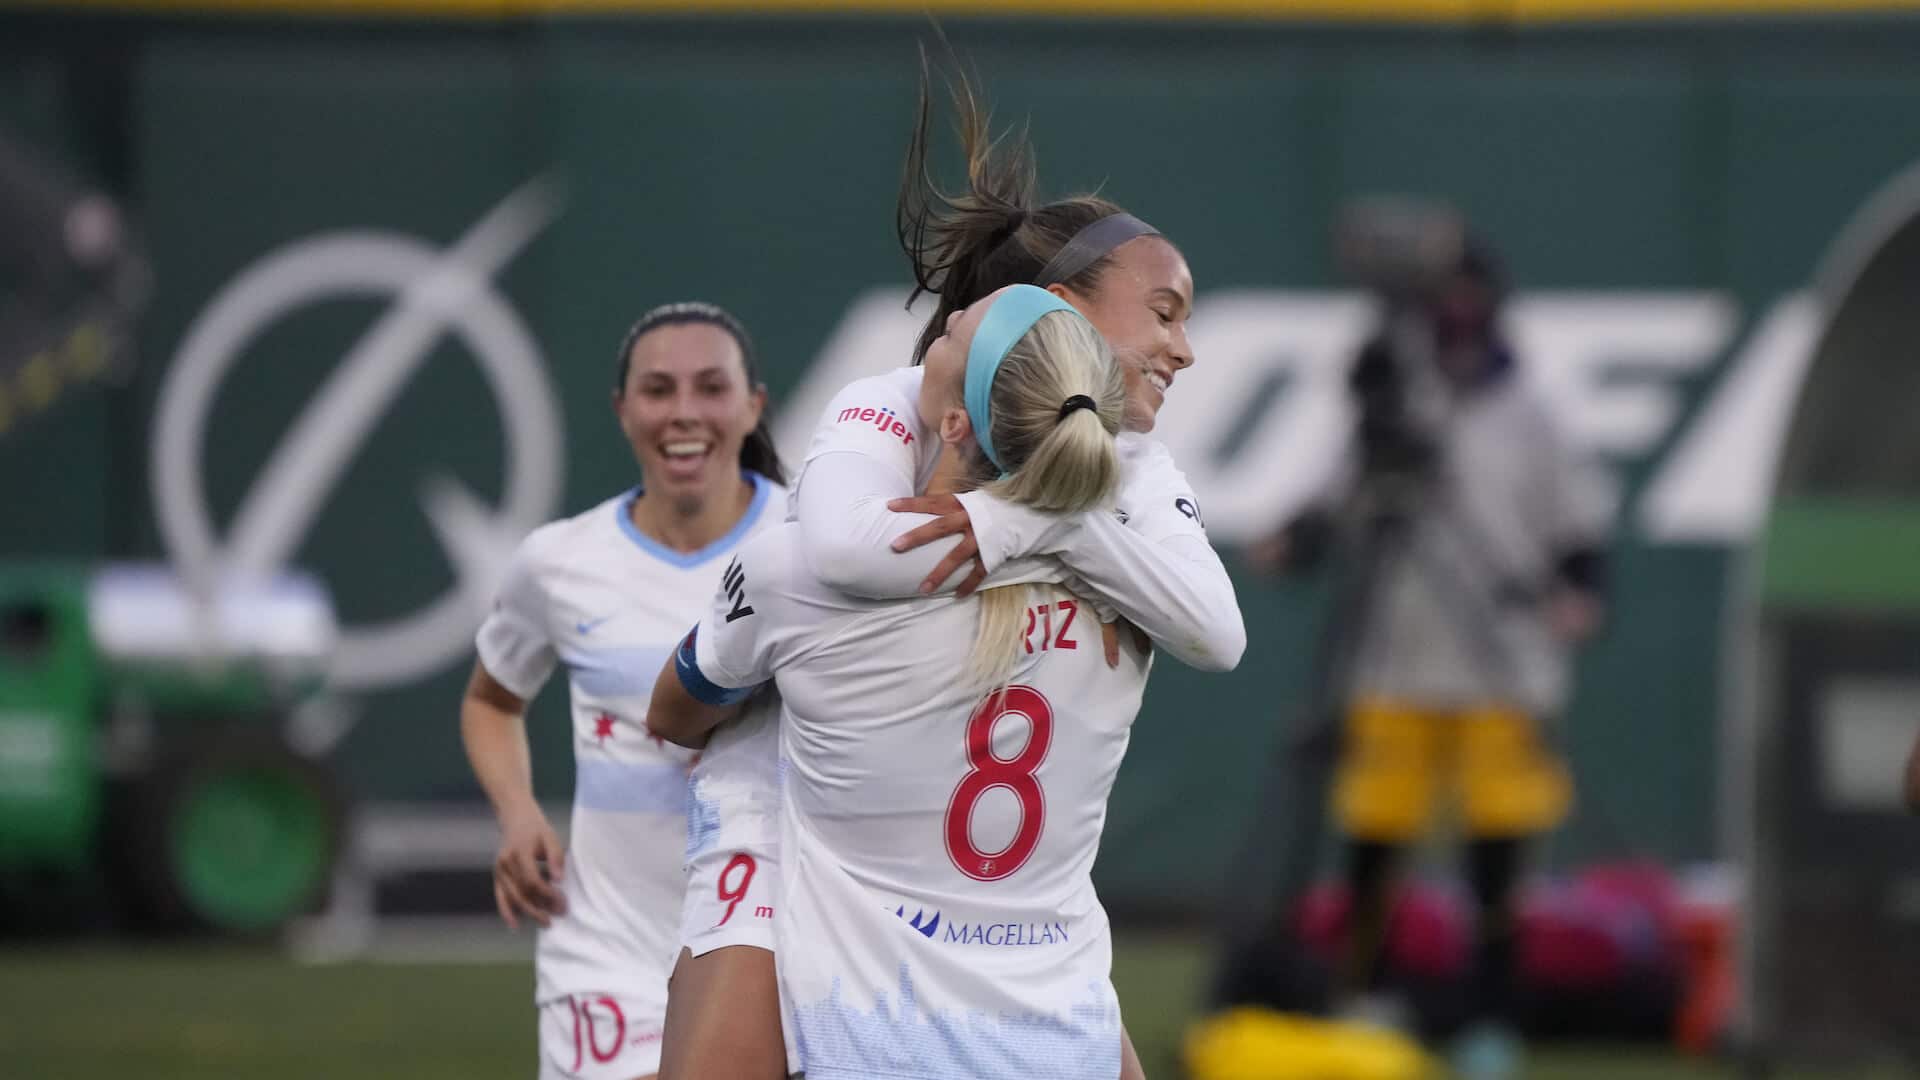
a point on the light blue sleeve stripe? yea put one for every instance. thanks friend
(621, 788)
(615, 672)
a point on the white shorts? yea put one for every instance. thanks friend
(599, 1037)
(730, 898)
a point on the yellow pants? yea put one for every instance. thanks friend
(1400, 758)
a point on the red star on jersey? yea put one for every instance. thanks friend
(603, 727)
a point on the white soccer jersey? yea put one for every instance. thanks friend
(595, 594)
(879, 418)
(937, 916)
(1149, 560)
(733, 834)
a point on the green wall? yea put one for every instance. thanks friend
(754, 162)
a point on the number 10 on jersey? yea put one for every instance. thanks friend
(986, 771)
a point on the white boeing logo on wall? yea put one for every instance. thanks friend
(1260, 423)
(433, 293)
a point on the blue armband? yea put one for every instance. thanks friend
(703, 689)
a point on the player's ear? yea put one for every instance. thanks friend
(619, 415)
(1080, 301)
(757, 404)
(956, 427)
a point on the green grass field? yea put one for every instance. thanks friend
(166, 1013)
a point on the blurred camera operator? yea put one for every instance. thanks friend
(1486, 531)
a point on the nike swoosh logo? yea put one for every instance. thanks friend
(588, 626)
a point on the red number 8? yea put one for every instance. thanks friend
(986, 772)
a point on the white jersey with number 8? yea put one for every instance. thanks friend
(937, 915)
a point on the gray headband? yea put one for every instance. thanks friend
(1091, 244)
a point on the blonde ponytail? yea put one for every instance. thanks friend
(997, 637)
(1059, 458)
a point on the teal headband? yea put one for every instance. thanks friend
(1006, 322)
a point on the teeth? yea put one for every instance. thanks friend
(685, 449)
(1159, 381)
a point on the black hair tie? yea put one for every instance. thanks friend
(1077, 401)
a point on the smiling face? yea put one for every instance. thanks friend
(686, 407)
(1144, 300)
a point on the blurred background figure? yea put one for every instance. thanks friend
(1475, 535)
(160, 733)
(71, 282)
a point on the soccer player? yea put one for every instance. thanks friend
(607, 594)
(1150, 561)
(875, 448)
(942, 806)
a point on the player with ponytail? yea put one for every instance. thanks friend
(1042, 431)
(923, 927)
(1151, 561)
(866, 517)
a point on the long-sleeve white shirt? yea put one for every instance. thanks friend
(1147, 559)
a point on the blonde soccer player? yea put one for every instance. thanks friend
(947, 761)
(866, 523)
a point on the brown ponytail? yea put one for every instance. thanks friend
(963, 245)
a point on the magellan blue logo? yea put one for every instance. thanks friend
(1006, 935)
(999, 935)
(919, 921)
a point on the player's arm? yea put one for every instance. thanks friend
(493, 728)
(730, 653)
(516, 656)
(1157, 569)
(849, 534)
(1174, 588)
(847, 531)
(687, 704)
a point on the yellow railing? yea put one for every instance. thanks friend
(1422, 11)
